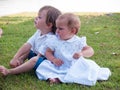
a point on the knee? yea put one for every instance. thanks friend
(34, 59)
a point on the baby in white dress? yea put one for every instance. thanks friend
(66, 54)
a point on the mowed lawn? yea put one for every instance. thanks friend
(102, 32)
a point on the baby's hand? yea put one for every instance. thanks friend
(77, 55)
(15, 63)
(57, 62)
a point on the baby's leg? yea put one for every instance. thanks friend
(25, 67)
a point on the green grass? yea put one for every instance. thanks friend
(102, 32)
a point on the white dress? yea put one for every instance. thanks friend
(81, 71)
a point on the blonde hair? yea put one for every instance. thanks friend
(51, 15)
(72, 20)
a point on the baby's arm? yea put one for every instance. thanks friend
(87, 51)
(50, 56)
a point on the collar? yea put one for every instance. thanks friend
(45, 35)
(74, 38)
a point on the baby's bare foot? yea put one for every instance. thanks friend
(4, 71)
(54, 80)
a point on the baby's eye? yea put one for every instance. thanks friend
(60, 28)
(39, 17)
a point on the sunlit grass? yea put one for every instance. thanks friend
(17, 18)
(102, 32)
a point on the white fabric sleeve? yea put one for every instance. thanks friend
(42, 50)
(83, 41)
(52, 43)
(48, 44)
(31, 40)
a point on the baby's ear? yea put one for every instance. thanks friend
(50, 24)
(74, 30)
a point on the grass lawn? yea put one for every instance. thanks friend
(102, 32)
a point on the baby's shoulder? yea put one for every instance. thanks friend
(81, 38)
(51, 38)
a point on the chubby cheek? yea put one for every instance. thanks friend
(62, 35)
